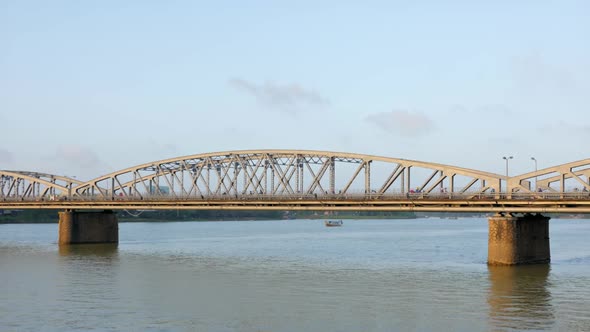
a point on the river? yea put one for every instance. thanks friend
(295, 275)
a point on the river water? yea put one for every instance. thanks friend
(295, 275)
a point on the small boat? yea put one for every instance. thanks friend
(333, 223)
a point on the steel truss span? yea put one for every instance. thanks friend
(23, 185)
(300, 179)
(279, 173)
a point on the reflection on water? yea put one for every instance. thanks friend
(296, 275)
(100, 250)
(88, 279)
(519, 297)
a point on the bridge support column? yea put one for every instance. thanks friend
(518, 240)
(88, 227)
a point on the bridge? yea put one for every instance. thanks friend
(304, 180)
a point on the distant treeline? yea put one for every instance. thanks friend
(51, 216)
(28, 216)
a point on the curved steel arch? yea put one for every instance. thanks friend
(36, 185)
(548, 178)
(282, 172)
(50, 177)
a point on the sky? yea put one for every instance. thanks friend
(91, 87)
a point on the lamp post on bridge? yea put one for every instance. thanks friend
(506, 159)
(535, 160)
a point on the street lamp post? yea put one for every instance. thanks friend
(535, 160)
(506, 159)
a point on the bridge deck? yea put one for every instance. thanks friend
(567, 204)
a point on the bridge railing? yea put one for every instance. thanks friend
(415, 196)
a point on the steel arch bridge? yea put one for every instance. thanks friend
(302, 179)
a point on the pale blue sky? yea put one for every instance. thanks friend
(89, 87)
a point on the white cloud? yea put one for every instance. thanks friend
(288, 97)
(563, 127)
(402, 122)
(549, 87)
(78, 156)
(168, 149)
(5, 156)
(486, 109)
(534, 74)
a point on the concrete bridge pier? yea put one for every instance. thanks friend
(518, 240)
(88, 227)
